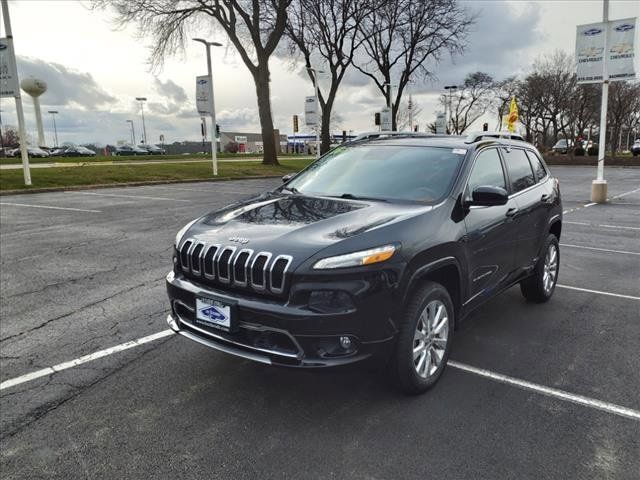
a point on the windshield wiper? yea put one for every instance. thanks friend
(351, 196)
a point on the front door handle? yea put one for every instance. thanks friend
(545, 197)
(511, 212)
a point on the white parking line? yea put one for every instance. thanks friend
(49, 207)
(571, 210)
(86, 358)
(118, 195)
(626, 193)
(599, 249)
(550, 392)
(621, 227)
(599, 292)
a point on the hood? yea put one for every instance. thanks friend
(296, 225)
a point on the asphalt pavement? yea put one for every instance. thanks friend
(533, 392)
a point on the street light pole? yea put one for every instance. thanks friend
(214, 139)
(55, 129)
(318, 124)
(144, 128)
(133, 133)
(450, 88)
(599, 185)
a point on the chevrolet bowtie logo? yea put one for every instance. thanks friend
(241, 240)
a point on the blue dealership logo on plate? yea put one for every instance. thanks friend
(213, 313)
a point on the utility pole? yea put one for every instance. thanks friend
(599, 185)
(144, 128)
(450, 88)
(133, 133)
(20, 113)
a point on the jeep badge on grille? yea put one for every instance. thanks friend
(241, 240)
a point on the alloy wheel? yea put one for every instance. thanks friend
(430, 338)
(550, 268)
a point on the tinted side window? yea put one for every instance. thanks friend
(519, 169)
(538, 167)
(487, 171)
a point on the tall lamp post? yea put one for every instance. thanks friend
(55, 128)
(214, 139)
(144, 128)
(317, 91)
(133, 133)
(450, 88)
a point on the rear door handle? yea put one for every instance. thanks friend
(511, 212)
(545, 197)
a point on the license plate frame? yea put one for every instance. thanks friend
(216, 313)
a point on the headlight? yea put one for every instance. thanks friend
(355, 259)
(183, 230)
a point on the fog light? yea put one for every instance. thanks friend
(345, 342)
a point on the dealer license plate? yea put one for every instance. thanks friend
(213, 313)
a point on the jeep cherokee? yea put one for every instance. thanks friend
(375, 251)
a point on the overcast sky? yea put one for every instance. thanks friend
(94, 70)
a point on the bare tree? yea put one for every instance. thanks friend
(327, 30)
(503, 92)
(470, 102)
(253, 27)
(624, 103)
(402, 39)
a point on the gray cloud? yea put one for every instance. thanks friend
(171, 90)
(64, 85)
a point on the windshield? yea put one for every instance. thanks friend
(380, 171)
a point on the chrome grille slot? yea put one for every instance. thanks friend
(194, 257)
(208, 264)
(277, 272)
(184, 255)
(224, 264)
(240, 267)
(259, 270)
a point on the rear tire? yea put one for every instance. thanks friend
(424, 340)
(540, 286)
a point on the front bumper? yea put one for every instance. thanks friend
(277, 333)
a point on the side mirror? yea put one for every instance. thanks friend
(487, 196)
(288, 177)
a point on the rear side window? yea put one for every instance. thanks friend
(538, 167)
(519, 168)
(487, 171)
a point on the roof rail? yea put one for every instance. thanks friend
(387, 134)
(476, 136)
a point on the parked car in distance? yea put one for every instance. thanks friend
(130, 150)
(153, 149)
(34, 152)
(635, 148)
(562, 146)
(378, 250)
(78, 151)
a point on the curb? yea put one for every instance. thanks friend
(132, 184)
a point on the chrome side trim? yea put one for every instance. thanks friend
(289, 259)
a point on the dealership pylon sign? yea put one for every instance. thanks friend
(619, 55)
(204, 101)
(8, 76)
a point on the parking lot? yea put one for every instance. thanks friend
(533, 391)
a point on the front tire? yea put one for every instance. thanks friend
(424, 340)
(540, 286)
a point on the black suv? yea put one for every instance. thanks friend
(375, 251)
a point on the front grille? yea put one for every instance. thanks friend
(227, 265)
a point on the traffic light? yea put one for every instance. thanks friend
(202, 129)
(217, 130)
(377, 118)
(415, 128)
(485, 127)
(295, 124)
(344, 136)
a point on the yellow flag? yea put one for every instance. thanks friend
(513, 115)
